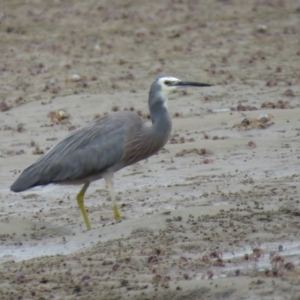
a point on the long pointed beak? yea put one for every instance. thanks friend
(188, 83)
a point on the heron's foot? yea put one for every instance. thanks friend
(88, 224)
(117, 214)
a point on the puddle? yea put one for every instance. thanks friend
(220, 203)
(268, 256)
(235, 263)
(225, 109)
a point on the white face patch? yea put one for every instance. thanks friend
(165, 89)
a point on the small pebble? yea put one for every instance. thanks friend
(262, 28)
(75, 77)
(97, 47)
(52, 81)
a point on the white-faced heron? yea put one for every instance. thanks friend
(105, 146)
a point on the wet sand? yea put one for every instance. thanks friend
(215, 214)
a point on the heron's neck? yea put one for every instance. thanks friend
(161, 121)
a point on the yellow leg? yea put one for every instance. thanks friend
(80, 201)
(110, 185)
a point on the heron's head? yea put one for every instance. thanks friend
(163, 86)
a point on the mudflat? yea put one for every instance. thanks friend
(216, 213)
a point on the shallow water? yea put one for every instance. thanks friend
(290, 252)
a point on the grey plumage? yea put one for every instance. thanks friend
(105, 146)
(86, 152)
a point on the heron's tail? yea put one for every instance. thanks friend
(27, 180)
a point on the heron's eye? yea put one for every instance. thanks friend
(167, 82)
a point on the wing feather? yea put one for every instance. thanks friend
(88, 151)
